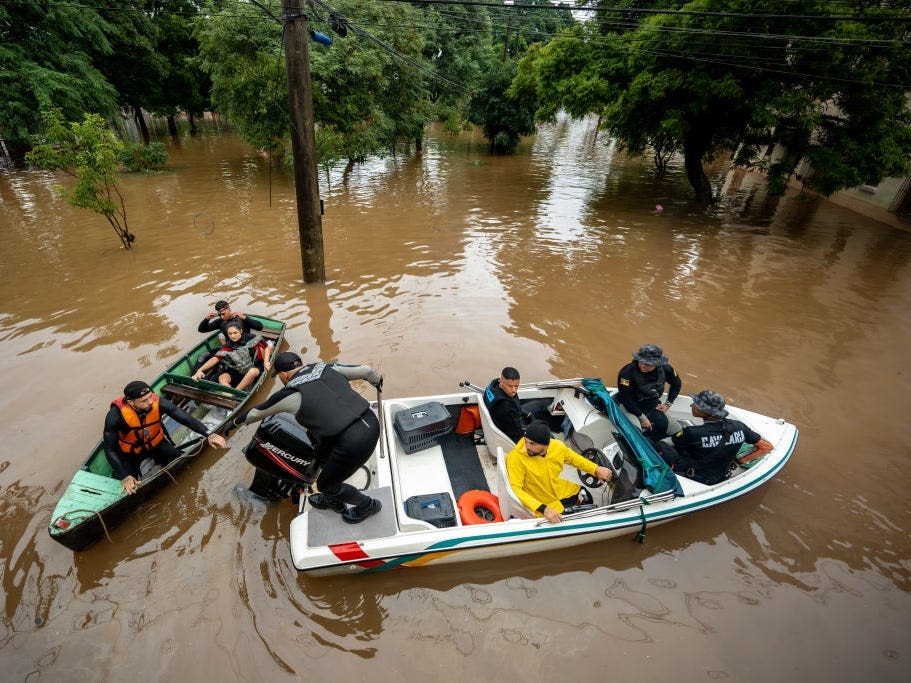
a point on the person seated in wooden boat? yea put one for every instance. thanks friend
(134, 433)
(534, 468)
(240, 361)
(707, 452)
(224, 314)
(340, 423)
(508, 413)
(640, 385)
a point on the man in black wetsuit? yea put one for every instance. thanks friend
(706, 452)
(219, 319)
(134, 432)
(640, 386)
(509, 414)
(339, 421)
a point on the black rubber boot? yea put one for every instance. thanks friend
(358, 514)
(321, 501)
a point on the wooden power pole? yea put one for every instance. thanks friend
(303, 141)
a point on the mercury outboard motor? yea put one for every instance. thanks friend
(283, 455)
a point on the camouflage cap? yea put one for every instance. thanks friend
(651, 354)
(710, 402)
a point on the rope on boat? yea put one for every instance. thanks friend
(640, 536)
(104, 526)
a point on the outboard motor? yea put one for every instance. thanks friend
(283, 455)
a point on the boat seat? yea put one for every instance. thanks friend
(494, 437)
(510, 505)
(202, 396)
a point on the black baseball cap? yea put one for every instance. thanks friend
(286, 360)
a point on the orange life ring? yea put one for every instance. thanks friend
(479, 507)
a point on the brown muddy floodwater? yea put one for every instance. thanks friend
(445, 267)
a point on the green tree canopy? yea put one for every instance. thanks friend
(503, 118)
(733, 74)
(369, 89)
(48, 59)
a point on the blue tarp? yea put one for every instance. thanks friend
(656, 473)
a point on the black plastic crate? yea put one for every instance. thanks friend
(422, 426)
(435, 508)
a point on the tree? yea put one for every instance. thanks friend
(185, 86)
(369, 86)
(458, 43)
(88, 152)
(503, 118)
(133, 65)
(240, 49)
(721, 74)
(519, 27)
(47, 60)
(366, 86)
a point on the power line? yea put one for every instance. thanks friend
(649, 11)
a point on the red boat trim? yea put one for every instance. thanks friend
(347, 552)
(278, 461)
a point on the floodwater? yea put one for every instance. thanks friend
(445, 267)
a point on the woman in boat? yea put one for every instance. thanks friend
(134, 432)
(223, 315)
(240, 360)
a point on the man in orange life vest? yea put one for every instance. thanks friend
(133, 431)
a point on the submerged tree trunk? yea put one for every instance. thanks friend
(695, 147)
(192, 120)
(418, 145)
(141, 124)
(172, 126)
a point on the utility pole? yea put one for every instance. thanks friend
(303, 140)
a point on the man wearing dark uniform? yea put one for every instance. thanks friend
(339, 421)
(509, 414)
(640, 386)
(225, 315)
(706, 452)
(134, 432)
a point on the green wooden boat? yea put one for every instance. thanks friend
(94, 502)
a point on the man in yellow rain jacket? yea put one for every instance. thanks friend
(534, 467)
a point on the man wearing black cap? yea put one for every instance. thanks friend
(534, 468)
(640, 386)
(222, 315)
(339, 421)
(134, 432)
(706, 452)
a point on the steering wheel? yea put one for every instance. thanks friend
(597, 457)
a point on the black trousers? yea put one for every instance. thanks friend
(163, 453)
(344, 455)
(539, 409)
(656, 417)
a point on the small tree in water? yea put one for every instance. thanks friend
(87, 151)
